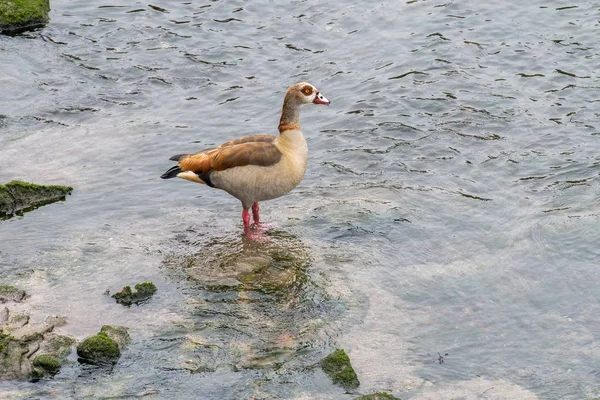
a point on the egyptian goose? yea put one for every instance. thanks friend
(258, 167)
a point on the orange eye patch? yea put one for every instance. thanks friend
(307, 90)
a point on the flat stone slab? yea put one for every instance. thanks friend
(30, 351)
(18, 197)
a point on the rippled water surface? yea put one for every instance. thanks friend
(451, 203)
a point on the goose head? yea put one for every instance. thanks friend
(303, 93)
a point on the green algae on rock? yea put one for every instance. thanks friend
(337, 366)
(18, 197)
(21, 15)
(104, 348)
(143, 291)
(11, 293)
(377, 396)
(99, 349)
(45, 364)
(4, 340)
(57, 345)
(20, 340)
(117, 333)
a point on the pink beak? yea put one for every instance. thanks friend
(320, 99)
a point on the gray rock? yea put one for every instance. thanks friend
(13, 361)
(31, 332)
(11, 293)
(117, 333)
(57, 345)
(51, 355)
(30, 351)
(3, 316)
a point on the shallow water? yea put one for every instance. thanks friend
(450, 204)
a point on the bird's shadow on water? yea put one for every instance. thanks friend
(251, 304)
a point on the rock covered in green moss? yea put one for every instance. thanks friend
(44, 365)
(337, 366)
(21, 15)
(143, 291)
(117, 333)
(99, 349)
(105, 347)
(377, 396)
(11, 293)
(18, 196)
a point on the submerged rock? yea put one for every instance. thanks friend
(18, 197)
(337, 366)
(11, 293)
(377, 396)
(276, 267)
(21, 15)
(255, 305)
(99, 349)
(143, 291)
(20, 341)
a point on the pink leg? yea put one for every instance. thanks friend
(257, 224)
(246, 219)
(255, 216)
(247, 229)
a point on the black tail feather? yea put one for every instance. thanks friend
(177, 157)
(171, 173)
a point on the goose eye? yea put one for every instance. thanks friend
(307, 90)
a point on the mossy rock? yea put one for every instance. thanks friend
(99, 349)
(45, 365)
(11, 293)
(337, 366)
(57, 345)
(377, 396)
(4, 341)
(117, 333)
(21, 15)
(13, 363)
(143, 291)
(18, 197)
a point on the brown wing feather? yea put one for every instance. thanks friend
(248, 150)
(199, 162)
(251, 138)
(239, 155)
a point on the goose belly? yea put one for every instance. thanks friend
(253, 183)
